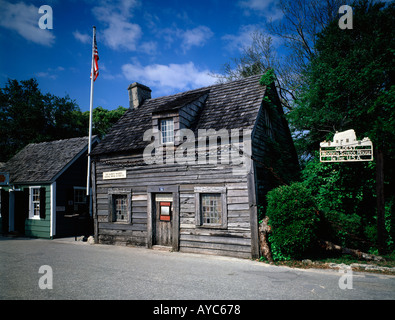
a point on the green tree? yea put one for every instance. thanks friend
(295, 34)
(345, 195)
(27, 115)
(103, 119)
(350, 85)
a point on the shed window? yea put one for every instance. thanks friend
(167, 130)
(34, 205)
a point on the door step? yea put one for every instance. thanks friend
(161, 248)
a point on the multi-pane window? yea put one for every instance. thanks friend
(121, 208)
(167, 130)
(211, 208)
(34, 203)
(120, 205)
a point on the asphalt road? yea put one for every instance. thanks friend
(84, 271)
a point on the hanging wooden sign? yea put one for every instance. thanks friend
(346, 148)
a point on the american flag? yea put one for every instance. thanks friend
(95, 60)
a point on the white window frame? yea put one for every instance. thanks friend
(169, 131)
(198, 207)
(31, 203)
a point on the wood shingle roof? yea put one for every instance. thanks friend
(42, 162)
(228, 105)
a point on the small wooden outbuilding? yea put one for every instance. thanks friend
(45, 196)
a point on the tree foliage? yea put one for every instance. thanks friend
(345, 199)
(295, 34)
(350, 85)
(350, 81)
(29, 116)
(103, 119)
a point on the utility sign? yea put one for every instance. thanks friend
(346, 148)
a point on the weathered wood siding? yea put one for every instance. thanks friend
(234, 240)
(273, 165)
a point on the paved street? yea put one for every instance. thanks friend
(83, 271)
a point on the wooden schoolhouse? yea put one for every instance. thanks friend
(188, 171)
(44, 195)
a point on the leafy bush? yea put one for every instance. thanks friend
(294, 219)
(345, 195)
(344, 229)
(348, 188)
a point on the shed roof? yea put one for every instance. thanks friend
(42, 162)
(228, 105)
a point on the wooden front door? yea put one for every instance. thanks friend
(164, 219)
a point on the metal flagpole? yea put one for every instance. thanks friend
(90, 114)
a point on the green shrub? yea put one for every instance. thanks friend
(294, 219)
(344, 229)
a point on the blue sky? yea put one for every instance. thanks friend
(170, 46)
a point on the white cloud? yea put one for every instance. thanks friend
(195, 37)
(149, 47)
(236, 42)
(255, 4)
(119, 32)
(84, 38)
(266, 8)
(244, 38)
(51, 73)
(189, 38)
(46, 75)
(23, 19)
(169, 78)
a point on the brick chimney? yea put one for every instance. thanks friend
(137, 94)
